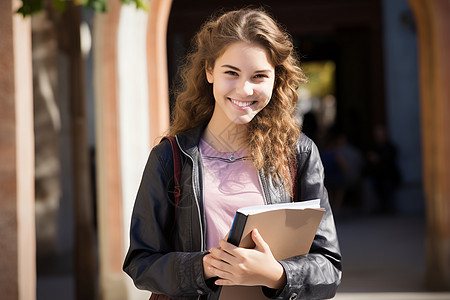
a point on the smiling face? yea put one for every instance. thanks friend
(243, 79)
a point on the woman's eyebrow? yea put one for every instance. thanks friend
(239, 70)
(264, 71)
(231, 67)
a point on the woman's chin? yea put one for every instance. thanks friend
(242, 120)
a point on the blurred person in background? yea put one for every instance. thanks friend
(383, 169)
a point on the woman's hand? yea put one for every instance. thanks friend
(240, 266)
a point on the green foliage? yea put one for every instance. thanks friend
(97, 5)
(30, 7)
(59, 5)
(140, 4)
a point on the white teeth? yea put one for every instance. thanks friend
(242, 103)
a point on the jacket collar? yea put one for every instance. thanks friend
(188, 141)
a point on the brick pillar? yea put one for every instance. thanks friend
(109, 185)
(17, 229)
(158, 86)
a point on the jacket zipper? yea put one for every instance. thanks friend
(195, 196)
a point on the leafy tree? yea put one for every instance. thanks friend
(30, 7)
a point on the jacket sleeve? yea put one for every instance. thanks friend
(151, 260)
(315, 275)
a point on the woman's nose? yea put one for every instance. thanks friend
(245, 88)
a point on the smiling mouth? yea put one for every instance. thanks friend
(242, 103)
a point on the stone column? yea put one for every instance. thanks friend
(17, 229)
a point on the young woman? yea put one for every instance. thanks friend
(239, 142)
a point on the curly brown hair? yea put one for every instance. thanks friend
(276, 122)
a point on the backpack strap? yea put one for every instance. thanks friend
(176, 174)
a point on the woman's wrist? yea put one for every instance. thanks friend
(277, 277)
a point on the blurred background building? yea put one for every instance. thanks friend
(85, 95)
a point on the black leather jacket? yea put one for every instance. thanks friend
(165, 257)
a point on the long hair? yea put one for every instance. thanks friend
(276, 122)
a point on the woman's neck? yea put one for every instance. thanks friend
(225, 136)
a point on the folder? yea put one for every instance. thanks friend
(288, 229)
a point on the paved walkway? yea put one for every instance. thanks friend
(392, 296)
(383, 258)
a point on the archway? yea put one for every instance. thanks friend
(351, 39)
(434, 41)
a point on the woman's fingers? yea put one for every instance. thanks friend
(240, 266)
(216, 267)
(223, 254)
(207, 270)
(259, 241)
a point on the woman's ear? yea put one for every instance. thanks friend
(209, 75)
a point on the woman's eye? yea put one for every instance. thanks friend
(232, 73)
(261, 76)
